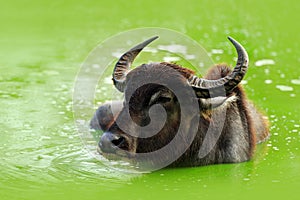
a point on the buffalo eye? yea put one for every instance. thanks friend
(160, 98)
(163, 99)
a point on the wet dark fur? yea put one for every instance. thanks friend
(253, 121)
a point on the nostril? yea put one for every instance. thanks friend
(105, 143)
(119, 141)
(109, 142)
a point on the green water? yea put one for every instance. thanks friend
(42, 46)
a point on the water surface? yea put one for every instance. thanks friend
(42, 46)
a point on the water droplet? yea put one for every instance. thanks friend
(276, 148)
(273, 53)
(267, 71)
(95, 66)
(268, 81)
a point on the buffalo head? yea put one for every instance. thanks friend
(152, 111)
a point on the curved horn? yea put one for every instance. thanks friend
(123, 65)
(211, 88)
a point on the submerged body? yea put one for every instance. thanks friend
(228, 138)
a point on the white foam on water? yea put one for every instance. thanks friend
(171, 59)
(117, 54)
(244, 82)
(190, 57)
(150, 49)
(175, 48)
(264, 62)
(276, 148)
(51, 72)
(107, 80)
(95, 66)
(217, 51)
(295, 81)
(284, 88)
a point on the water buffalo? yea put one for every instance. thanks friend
(233, 136)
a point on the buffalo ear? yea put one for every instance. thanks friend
(211, 103)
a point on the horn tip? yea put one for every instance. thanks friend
(231, 39)
(153, 38)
